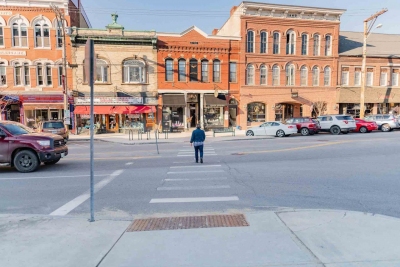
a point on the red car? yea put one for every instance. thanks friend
(305, 125)
(365, 126)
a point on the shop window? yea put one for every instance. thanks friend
(1, 35)
(204, 71)
(20, 34)
(194, 68)
(384, 77)
(134, 71)
(303, 76)
(213, 117)
(370, 77)
(276, 43)
(345, 76)
(357, 77)
(263, 75)
(232, 72)
(327, 76)
(395, 77)
(275, 75)
(264, 42)
(182, 70)
(304, 44)
(102, 70)
(316, 44)
(217, 71)
(290, 78)
(256, 112)
(328, 45)
(290, 43)
(42, 34)
(315, 76)
(250, 75)
(3, 74)
(250, 42)
(169, 70)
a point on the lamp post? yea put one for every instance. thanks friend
(368, 24)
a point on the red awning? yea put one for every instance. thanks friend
(108, 110)
(101, 110)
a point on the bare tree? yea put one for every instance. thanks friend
(319, 108)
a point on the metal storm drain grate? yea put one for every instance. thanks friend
(192, 222)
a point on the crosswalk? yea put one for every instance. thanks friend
(190, 182)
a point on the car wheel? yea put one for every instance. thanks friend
(280, 133)
(305, 131)
(249, 133)
(52, 162)
(363, 130)
(335, 130)
(26, 161)
(386, 128)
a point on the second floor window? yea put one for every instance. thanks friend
(204, 71)
(315, 76)
(276, 43)
(193, 70)
(134, 71)
(59, 35)
(345, 76)
(49, 75)
(303, 76)
(3, 74)
(263, 75)
(275, 75)
(169, 70)
(384, 77)
(263, 44)
(101, 71)
(250, 75)
(327, 76)
(290, 75)
(316, 45)
(370, 77)
(21, 74)
(357, 77)
(20, 35)
(328, 45)
(217, 71)
(290, 43)
(1, 35)
(395, 77)
(39, 74)
(60, 71)
(232, 72)
(304, 44)
(250, 42)
(42, 35)
(182, 70)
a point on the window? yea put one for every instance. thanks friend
(304, 44)
(290, 43)
(250, 75)
(49, 78)
(370, 77)
(27, 80)
(17, 74)
(256, 112)
(316, 45)
(59, 35)
(384, 77)
(357, 77)
(250, 42)
(328, 45)
(232, 72)
(101, 71)
(204, 71)
(303, 76)
(3, 74)
(39, 71)
(169, 70)
(217, 71)
(42, 35)
(182, 70)
(20, 35)
(21, 74)
(193, 73)
(276, 43)
(263, 75)
(315, 76)
(290, 75)
(134, 71)
(263, 47)
(1, 35)
(60, 71)
(395, 77)
(327, 76)
(345, 76)
(275, 75)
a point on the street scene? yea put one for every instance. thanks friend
(147, 136)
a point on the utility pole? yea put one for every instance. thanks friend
(368, 24)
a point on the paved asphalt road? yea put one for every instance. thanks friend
(350, 172)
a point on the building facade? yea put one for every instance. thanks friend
(198, 80)
(31, 56)
(125, 90)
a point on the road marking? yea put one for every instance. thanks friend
(111, 158)
(53, 177)
(193, 155)
(196, 179)
(193, 150)
(193, 200)
(202, 187)
(67, 208)
(198, 166)
(192, 172)
(129, 163)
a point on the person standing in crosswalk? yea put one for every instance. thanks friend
(197, 140)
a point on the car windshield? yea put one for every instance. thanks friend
(344, 118)
(53, 125)
(17, 129)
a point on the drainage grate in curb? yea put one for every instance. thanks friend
(192, 222)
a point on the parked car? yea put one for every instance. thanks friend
(54, 127)
(386, 122)
(365, 126)
(305, 125)
(23, 148)
(336, 124)
(318, 125)
(272, 128)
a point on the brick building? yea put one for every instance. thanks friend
(31, 58)
(288, 59)
(198, 79)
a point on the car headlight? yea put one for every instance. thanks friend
(44, 142)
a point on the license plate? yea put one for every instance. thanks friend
(63, 155)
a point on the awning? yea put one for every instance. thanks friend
(211, 100)
(111, 110)
(100, 110)
(174, 100)
(350, 95)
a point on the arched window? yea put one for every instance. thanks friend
(290, 74)
(250, 42)
(193, 70)
(60, 73)
(250, 75)
(263, 75)
(42, 34)
(316, 44)
(49, 75)
(39, 74)
(204, 71)
(264, 43)
(276, 43)
(304, 44)
(327, 76)
(256, 112)
(1, 35)
(275, 75)
(290, 43)
(315, 76)
(59, 34)
(20, 34)
(328, 45)
(27, 79)
(169, 70)
(21, 74)
(3, 74)
(182, 70)
(216, 71)
(102, 70)
(303, 76)
(134, 71)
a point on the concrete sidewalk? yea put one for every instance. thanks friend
(290, 238)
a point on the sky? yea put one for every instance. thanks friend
(179, 15)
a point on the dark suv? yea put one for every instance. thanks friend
(305, 125)
(24, 149)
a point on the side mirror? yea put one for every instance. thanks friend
(3, 135)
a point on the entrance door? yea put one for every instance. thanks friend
(54, 115)
(193, 115)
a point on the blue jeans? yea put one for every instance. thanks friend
(196, 152)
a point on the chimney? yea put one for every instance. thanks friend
(233, 9)
(215, 31)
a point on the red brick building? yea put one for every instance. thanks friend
(198, 79)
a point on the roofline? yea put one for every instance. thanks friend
(278, 6)
(373, 33)
(200, 32)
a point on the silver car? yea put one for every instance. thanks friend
(386, 122)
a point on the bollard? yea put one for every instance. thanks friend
(140, 134)
(130, 133)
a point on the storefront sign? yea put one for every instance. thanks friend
(34, 89)
(12, 53)
(151, 101)
(5, 13)
(110, 100)
(42, 99)
(192, 98)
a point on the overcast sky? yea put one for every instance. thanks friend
(178, 15)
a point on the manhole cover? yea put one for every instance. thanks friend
(191, 222)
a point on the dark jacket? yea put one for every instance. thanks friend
(198, 135)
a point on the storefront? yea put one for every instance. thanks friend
(256, 113)
(214, 111)
(174, 112)
(10, 107)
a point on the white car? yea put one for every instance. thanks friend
(272, 128)
(336, 124)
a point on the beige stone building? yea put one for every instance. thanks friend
(125, 91)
